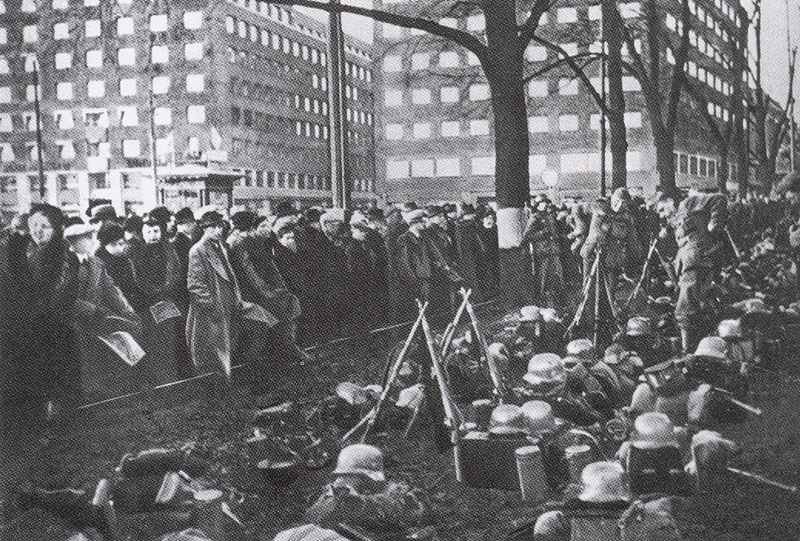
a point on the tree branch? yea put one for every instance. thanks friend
(528, 28)
(678, 76)
(465, 39)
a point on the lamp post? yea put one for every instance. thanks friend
(38, 113)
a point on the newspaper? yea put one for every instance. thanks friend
(164, 310)
(124, 346)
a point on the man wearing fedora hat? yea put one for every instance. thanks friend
(361, 497)
(211, 329)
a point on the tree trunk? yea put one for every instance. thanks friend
(723, 168)
(665, 162)
(616, 106)
(512, 185)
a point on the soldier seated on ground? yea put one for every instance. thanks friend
(546, 380)
(603, 510)
(361, 497)
(640, 337)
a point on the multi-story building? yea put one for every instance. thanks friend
(232, 87)
(434, 136)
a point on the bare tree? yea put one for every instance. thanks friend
(728, 133)
(768, 130)
(661, 89)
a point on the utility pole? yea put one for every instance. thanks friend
(337, 123)
(151, 117)
(603, 135)
(38, 112)
(790, 54)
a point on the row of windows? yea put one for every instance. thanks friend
(297, 181)
(445, 167)
(126, 116)
(477, 22)
(477, 127)
(699, 166)
(278, 42)
(29, 6)
(124, 26)
(97, 88)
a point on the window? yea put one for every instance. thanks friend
(63, 61)
(64, 119)
(631, 10)
(633, 160)
(195, 83)
(448, 167)
(96, 89)
(479, 127)
(394, 132)
(162, 116)
(450, 128)
(94, 58)
(3, 36)
(693, 165)
(422, 130)
(94, 3)
(159, 23)
(128, 115)
(160, 84)
(570, 48)
(567, 15)
(596, 13)
(5, 94)
(420, 61)
(193, 51)
(6, 125)
(60, 31)
(393, 98)
(30, 62)
(66, 150)
(683, 163)
(61, 4)
(30, 33)
(91, 28)
(7, 153)
(125, 26)
(536, 53)
(472, 59)
(630, 84)
(568, 87)
(449, 22)
(4, 68)
(422, 168)
(193, 20)
(396, 169)
(580, 162)
(131, 148)
(126, 56)
(420, 96)
(478, 92)
(159, 54)
(63, 91)
(196, 114)
(448, 59)
(536, 164)
(537, 89)
(392, 64)
(568, 122)
(29, 120)
(633, 120)
(127, 87)
(476, 23)
(538, 124)
(449, 94)
(30, 92)
(703, 167)
(483, 165)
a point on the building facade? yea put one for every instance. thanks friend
(435, 129)
(237, 86)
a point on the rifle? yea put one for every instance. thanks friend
(763, 480)
(452, 416)
(738, 403)
(372, 416)
(450, 331)
(494, 372)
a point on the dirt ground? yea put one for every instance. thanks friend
(89, 449)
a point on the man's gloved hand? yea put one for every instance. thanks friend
(710, 452)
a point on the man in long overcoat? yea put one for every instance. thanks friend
(215, 299)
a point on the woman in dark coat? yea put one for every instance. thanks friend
(38, 288)
(114, 253)
(295, 270)
(157, 273)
